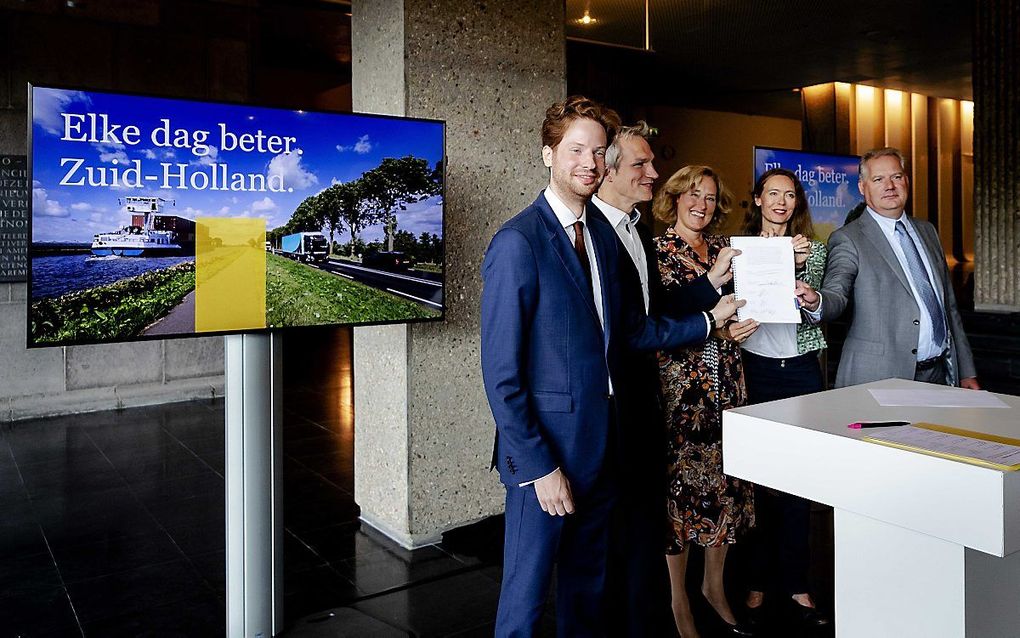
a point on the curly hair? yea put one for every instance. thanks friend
(559, 116)
(682, 181)
(800, 220)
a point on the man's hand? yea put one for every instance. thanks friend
(971, 383)
(726, 308)
(554, 495)
(807, 296)
(738, 331)
(721, 271)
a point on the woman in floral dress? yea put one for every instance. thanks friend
(706, 507)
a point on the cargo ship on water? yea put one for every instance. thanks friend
(151, 233)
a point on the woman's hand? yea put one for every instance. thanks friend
(738, 331)
(801, 250)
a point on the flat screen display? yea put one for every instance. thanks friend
(155, 218)
(830, 182)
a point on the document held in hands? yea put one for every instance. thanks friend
(763, 276)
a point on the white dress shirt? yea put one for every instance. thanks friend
(625, 225)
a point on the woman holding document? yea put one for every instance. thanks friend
(705, 506)
(781, 361)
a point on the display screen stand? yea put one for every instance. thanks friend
(254, 506)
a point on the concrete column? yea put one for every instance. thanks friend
(423, 431)
(996, 156)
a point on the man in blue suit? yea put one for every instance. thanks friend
(555, 322)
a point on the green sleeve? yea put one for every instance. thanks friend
(814, 268)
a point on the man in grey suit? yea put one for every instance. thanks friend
(905, 322)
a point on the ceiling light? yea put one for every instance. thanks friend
(586, 19)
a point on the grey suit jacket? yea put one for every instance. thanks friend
(882, 340)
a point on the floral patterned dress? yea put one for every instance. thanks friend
(698, 383)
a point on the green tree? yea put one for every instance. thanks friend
(332, 202)
(394, 184)
(306, 217)
(347, 200)
(405, 242)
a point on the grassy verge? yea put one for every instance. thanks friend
(115, 311)
(299, 295)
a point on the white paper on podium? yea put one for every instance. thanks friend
(937, 398)
(763, 276)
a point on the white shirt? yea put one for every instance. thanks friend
(625, 225)
(926, 346)
(773, 340)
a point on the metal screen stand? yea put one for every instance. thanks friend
(254, 402)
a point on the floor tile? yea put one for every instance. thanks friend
(163, 490)
(27, 575)
(173, 464)
(298, 555)
(377, 571)
(103, 526)
(334, 543)
(49, 480)
(200, 616)
(114, 555)
(426, 610)
(201, 537)
(76, 506)
(137, 437)
(189, 511)
(313, 590)
(212, 567)
(41, 614)
(135, 590)
(344, 622)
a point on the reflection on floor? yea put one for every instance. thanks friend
(112, 524)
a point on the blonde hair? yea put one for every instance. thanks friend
(682, 181)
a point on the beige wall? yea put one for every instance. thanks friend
(724, 141)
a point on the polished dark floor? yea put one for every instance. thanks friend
(112, 524)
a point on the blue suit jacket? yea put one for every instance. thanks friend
(546, 361)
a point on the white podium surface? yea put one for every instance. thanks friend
(924, 546)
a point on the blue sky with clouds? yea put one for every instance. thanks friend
(328, 148)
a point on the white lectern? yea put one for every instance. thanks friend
(924, 546)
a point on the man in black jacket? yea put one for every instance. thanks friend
(639, 583)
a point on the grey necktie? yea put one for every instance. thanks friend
(922, 284)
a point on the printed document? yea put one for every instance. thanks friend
(763, 276)
(951, 443)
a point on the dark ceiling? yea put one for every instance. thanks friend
(751, 45)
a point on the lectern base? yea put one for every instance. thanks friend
(892, 582)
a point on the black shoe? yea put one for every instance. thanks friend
(808, 616)
(726, 629)
(755, 616)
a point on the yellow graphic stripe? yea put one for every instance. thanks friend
(944, 455)
(969, 433)
(230, 274)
